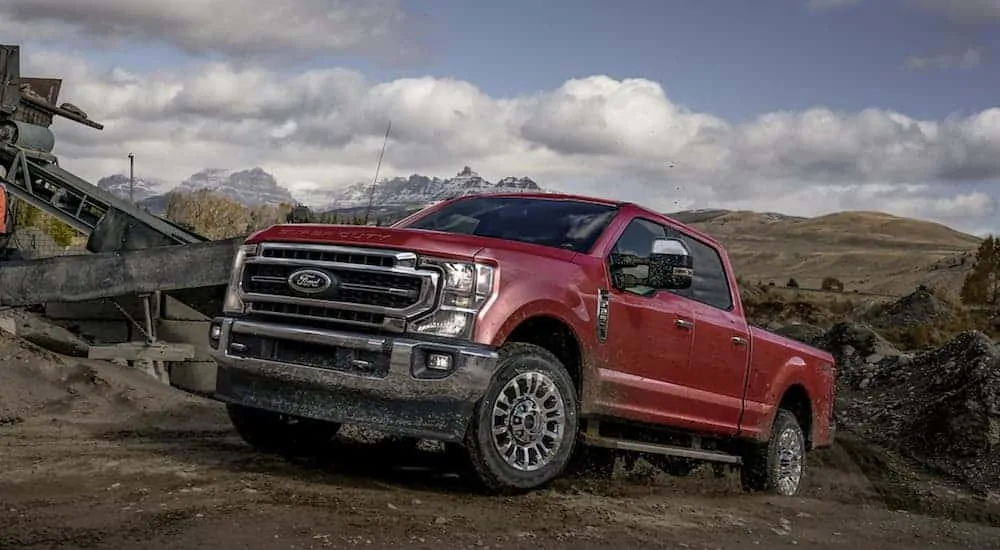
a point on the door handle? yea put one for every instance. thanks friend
(684, 323)
(739, 340)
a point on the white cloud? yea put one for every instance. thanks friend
(966, 59)
(232, 27)
(323, 128)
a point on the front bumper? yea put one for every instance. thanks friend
(384, 382)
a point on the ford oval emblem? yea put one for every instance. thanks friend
(309, 281)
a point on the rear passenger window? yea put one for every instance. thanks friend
(710, 285)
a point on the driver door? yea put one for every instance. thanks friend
(650, 334)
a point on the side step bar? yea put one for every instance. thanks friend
(593, 438)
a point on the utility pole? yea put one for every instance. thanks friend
(131, 178)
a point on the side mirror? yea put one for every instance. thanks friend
(671, 266)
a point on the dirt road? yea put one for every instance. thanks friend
(105, 457)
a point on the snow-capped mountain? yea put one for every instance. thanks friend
(249, 187)
(118, 185)
(257, 187)
(421, 190)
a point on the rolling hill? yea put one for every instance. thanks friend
(870, 252)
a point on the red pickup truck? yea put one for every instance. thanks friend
(518, 329)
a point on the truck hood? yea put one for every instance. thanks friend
(431, 243)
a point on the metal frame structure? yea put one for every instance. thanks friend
(36, 178)
(29, 172)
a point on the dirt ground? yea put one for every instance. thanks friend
(98, 456)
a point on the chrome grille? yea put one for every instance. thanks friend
(388, 290)
(375, 288)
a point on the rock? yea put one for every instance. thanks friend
(940, 407)
(861, 354)
(920, 307)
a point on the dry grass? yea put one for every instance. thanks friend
(870, 252)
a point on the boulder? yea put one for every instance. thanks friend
(861, 354)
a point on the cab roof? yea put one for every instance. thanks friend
(637, 209)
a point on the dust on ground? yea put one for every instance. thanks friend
(98, 456)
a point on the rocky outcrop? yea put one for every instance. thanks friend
(941, 407)
(920, 307)
(861, 354)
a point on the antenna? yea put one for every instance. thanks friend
(371, 193)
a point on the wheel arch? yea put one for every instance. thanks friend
(795, 399)
(555, 334)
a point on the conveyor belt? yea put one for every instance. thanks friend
(111, 223)
(135, 251)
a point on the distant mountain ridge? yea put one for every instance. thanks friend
(251, 187)
(118, 185)
(420, 190)
(255, 186)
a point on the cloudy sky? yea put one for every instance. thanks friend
(798, 106)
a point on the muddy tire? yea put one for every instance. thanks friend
(281, 434)
(777, 467)
(524, 428)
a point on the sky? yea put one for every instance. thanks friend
(796, 106)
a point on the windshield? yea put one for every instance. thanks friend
(568, 224)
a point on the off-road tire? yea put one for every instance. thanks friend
(492, 471)
(275, 433)
(760, 471)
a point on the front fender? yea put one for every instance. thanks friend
(500, 322)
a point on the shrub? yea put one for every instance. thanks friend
(832, 284)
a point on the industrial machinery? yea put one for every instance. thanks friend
(33, 175)
(134, 253)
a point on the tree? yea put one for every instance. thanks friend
(982, 285)
(792, 283)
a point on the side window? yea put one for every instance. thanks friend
(710, 285)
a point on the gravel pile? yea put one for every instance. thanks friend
(941, 408)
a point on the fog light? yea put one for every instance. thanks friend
(214, 334)
(438, 361)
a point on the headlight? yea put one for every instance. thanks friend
(465, 290)
(233, 304)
